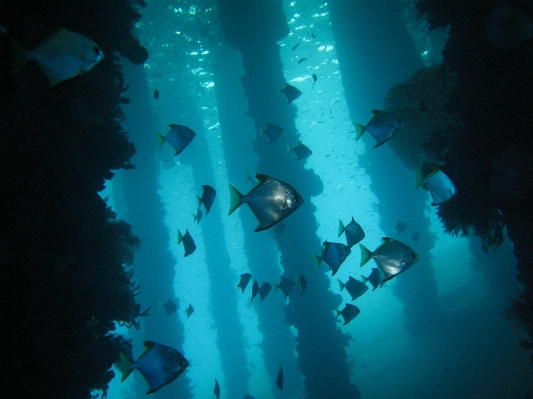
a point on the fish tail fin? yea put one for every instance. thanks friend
(279, 90)
(275, 287)
(247, 177)
(126, 366)
(365, 255)
(317, 260)
(160, 140)
(261, 132)
(419, 178)
(235, 199)
(364, 279)
(341, 228)
(20, 56)
(199, 201)
(341, 285)
(289, 149)
(338, 313)
(180, 237)
(359, 130)
(160, 304)
(296, 280)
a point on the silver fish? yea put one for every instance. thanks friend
(381, 127)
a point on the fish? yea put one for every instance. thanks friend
(313, 36)
(208, 197)
(62, 55)
(354, 287)
(353, 231)
(188, 242)
(400, 227)
(375, 278)
(302, 60)
(315, 78)
(290, 92)
(159, 365)
(169, 306)
(271, 131)
(303, 283)
(382, 126)
(189, 311)
(271, 201)
(279, 378)
(277, 230)
(349, 313)
(333, 255)
(156, 94)
(255, 289)
(216, 390)
(286, 286)
(393, 257)
(264, 290)
(296, 46)
(178, 137)
(300, 150)
(438, 184)
(248, 397)
(245, 279)
(198, 215)
(415, 237)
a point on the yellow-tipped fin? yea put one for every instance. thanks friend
(317, 260)
(365, 255)
(359, 130)
(261, 132)
(180, 237)
(289, 149)
(341, 228)
(235, 199)
(126, 366)
(419, 178)
(341, 285)
(160, 140)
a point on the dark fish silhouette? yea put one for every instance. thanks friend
(313, 36)
(375, 278)
(277, 230)
(302, 60)
(159, 365)
(208, 196)
(189, 311)
(178, 137)
(315, 78)
(381, 127)
(400, 227)
(216, 391)
(303, 283)
(393, 257)
(198, 215)
(300, 150)
(279, 379)
(170, 307)
(248, 397)
(354, 232)
(245, 279)
(290, 92)
(255, 290)
(349, 313)
(285, 285)
(272, 132)
(264, 290)
(354, 287)
(333, 255)
(156, 94)
(296, 46)
(188, 242)
(415, 237)
(271, 201)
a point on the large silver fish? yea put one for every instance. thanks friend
(271, 201)
(381, 127)
(393, 257)
(178, 137)
(438, 184)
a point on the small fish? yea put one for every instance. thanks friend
(375, 278)
(285, 285)
(291, 92)
(349, 313)
(272, 132)
(354, 287)
(300, 150)
(61, 56)
(216, 390)
(255, 290)
(279, 378)
(381, 127)
(169, 306)
(271, 201)
(393, 257)
(178, 137)
(264, 290)
(415, 237)
(400, 227)
(296, 46)
(354, 232)
(159, 365)
(313, 36)
(248, 397)
(302, 60)
(208, 197)
(156, 94)
(277, 230)
(188, 242)
(303, 283)
(245, 279)
(315, 78)
(198, 215)
(333, 255)
(189, 311)
(438, 184)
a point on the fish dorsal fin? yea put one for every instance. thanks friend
(376, 111)
(148, 345)
(387, 239)
(172, 125)
(262, 178)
